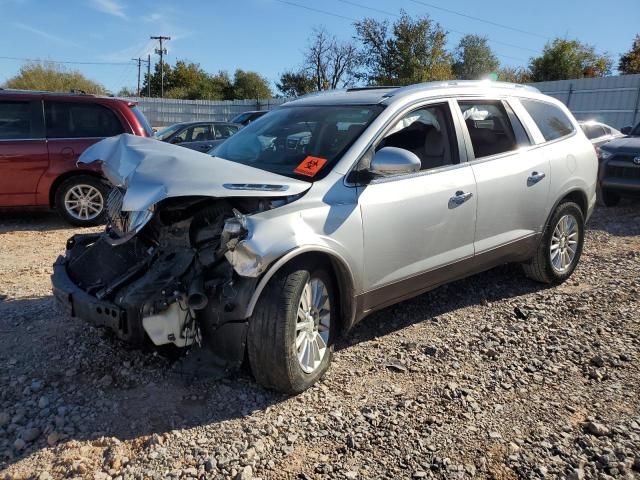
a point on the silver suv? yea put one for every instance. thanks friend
(324, 210)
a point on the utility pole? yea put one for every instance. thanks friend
(161, 51)
(140, 62)
(149, 75)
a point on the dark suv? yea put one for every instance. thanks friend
(41, 137)
(619, 173)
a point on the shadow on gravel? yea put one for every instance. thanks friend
(507, 281)
(622, 220)
(14, 220)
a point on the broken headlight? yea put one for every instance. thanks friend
(125, 223)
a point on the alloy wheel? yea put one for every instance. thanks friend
(84, 202)
(313, 325)
(564, 243)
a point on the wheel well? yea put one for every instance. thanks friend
(65, 176)
(578, 197)
(342, 280)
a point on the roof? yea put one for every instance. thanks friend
(73, 94)
(373, 95)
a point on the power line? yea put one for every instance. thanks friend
(62, 61)
(293, 4)
(497, 42)
(317, 10)
(490, 22)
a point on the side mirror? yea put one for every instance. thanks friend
(626, 130)
(176, 140)
(394, 161)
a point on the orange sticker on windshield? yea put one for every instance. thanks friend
(310, 166)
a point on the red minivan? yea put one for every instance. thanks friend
(41, 137)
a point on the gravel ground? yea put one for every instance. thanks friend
(489, 377)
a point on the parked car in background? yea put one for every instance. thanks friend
(246, 118)
(41, 137)
(329, 208)
(201, 136)
(599, 133)
(620, 167)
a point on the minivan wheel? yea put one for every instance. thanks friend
(81, 200)
(610, 199)
(291, 332)
(559, 251)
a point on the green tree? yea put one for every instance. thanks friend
(409, 51)
(52, 77)
(564, 59)
(250, 85)
(514, 75)
(474, 59)
(295, 84)
(630, 61)
(155, 80)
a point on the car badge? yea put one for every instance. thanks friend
(636, 160)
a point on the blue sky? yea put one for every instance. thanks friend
(269, 35)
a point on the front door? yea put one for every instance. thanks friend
(416, 226)
(23, 151)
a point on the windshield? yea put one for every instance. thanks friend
(143, 120)
(299, 142)
(168, 131)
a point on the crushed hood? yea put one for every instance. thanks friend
(151, 170)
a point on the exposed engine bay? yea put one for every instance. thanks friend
(169, 282)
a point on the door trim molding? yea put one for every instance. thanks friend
(515, 251)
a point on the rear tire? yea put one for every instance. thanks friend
(81, 200)
(560, 248)
(610, 199)
(279, 330)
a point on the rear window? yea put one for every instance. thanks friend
(552, 122)
(15, 121)
(144, 123)
(80, 120)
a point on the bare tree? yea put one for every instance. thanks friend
(329, 62)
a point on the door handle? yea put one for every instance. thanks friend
(534, 178)
(459, 198)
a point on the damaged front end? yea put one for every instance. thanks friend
(169, 280)
(169, 271)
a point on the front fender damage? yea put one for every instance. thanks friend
(185, 279)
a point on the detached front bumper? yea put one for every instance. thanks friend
(78, 303)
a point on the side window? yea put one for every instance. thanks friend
(199, 133)
(225, 131)
(15, 121)
(489, 127)
(552, 122)
(182, 136)
(80, 120)
(427, 132)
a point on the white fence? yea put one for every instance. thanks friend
(612, 100)
(166, 111)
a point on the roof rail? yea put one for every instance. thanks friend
(372, 87)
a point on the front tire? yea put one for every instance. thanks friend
(291, 332)
(81, 200)
(560, 248)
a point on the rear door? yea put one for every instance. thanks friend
(23, 151)
(72, 126)
(512, 181)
